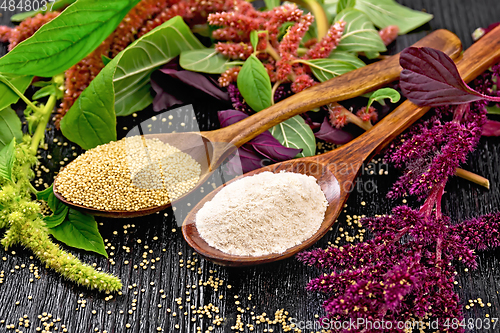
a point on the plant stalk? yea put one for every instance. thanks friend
(4, 80)
(475, 178)
(272, 52)
(352, 118)
(44, 120)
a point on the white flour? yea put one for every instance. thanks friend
(263, 214)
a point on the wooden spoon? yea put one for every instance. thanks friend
(336, 171)
(212, 147)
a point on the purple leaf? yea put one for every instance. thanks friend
(310, 122)
(163, 100)
(248, 160)
(229, 117)
(267, 145)
(264, 143)
(491, 128)
(430, 78)
(331, 134)
(175, 86)
(199, 81)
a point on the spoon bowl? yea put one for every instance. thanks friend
(211, 148)
(337, 170)
(326, 180)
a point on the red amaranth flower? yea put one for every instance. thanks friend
(327, 44)
(370, 115)
(235, 50)
(275, 18)
(229, 76)
(5, 32)
(144, 17)
(280, 57)
(302, 82)
(28, 27)
(337, 115)
(389, 34)
(291, 40)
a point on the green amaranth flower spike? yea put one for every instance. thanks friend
(22, 216)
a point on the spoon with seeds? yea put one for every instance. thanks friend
(211, 148)
(336, 171)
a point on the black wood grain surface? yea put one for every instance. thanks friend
(166, 294)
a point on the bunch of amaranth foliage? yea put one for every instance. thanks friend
(144, 17)
(23, 219)
(284, 48)
(406, 272)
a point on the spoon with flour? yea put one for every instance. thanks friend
(336, 171)
(211, 148)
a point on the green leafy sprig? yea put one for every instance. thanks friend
(20, 213)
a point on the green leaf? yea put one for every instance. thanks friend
(359, 33)
(493, 109)
(91, 121)
(123, 87)
(59, 209)
(7, 158)
(204, 60)
(345, 4)
(7, 96)
(254, 84)
(381, 94)
(44, 92)
(57, 217)
(295, 133)
(331, 7)
(372, 55)
(105, 60)
(10, 127)
(351, 58)
(40, 84)
(137, 62)
(325, 69)
(270, 4)
(68, 38)
(80, 230)
(254, 39)
(48, 7)
(45, 194)
(384, 13)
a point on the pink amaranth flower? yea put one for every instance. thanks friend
(291, 40)
(229, 76)
(337, 115)
(28, 27)
(5, 33)
(234, 50)
(323, 48)
(302, 82)
(389, 34)
(370, 115)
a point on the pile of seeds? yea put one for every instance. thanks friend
(130, 174)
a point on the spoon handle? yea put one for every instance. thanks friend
(348, 85)
(475, 60)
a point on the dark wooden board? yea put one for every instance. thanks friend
(273, 286)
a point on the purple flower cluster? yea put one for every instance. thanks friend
(432, 149)
(488, 81)
(407, 270)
